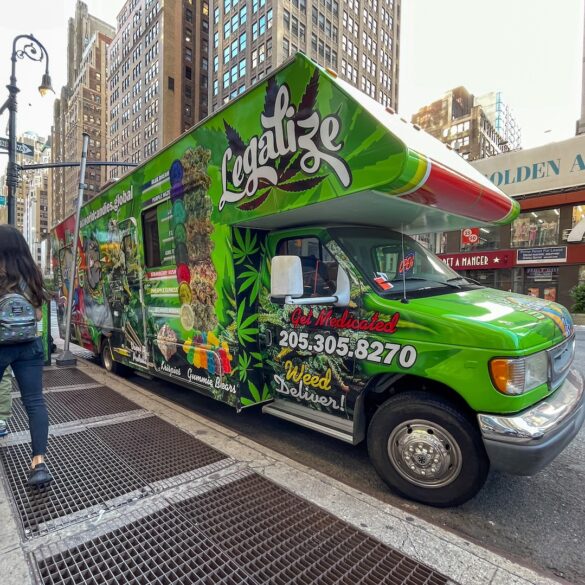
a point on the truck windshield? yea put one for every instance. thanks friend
(393, 265)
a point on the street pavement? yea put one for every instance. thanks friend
(538, 522)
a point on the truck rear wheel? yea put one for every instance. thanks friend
(108, 362)
(427, 450)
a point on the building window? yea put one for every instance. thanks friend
(188, 72)
(578, 214)
(536, 228)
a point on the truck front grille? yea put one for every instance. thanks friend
(560, 360)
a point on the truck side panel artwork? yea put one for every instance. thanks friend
(264, 257)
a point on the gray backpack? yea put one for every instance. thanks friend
(17, 319)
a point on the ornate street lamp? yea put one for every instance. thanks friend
(34, 50)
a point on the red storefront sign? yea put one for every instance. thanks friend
(480, 260)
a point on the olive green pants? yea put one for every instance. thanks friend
(5, 394)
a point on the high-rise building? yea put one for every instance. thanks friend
(501, 117)
(32, 197)
(580, 125)
(357, 39)
(157, 77)
(81, 107)
(475, 127)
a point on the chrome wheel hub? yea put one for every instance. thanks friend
(424, 453)
(108, 361)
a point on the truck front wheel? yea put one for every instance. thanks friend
(427, 450)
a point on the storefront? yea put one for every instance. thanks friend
(542, 253)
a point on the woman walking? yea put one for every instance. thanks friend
(19, 274)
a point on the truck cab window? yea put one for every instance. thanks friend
(151, 238)
(319, 267)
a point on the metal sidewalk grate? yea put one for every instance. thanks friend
(244, 531)
(65, 377)
(94, 402)
(102, 466)
(162, 548)
(58, 414)
(156, 449)
(87, 474)
(64, 407)
(281, 539)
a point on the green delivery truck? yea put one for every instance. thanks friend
(265, 257)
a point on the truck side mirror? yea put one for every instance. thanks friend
(343, 288)
(286, 277)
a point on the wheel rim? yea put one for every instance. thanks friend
(424, 453)
(108, 361)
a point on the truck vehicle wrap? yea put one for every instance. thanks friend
(265, 257)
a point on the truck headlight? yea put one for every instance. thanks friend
(515, 376)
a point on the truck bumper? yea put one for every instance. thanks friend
(524, 443)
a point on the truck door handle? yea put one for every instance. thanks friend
(266, 338)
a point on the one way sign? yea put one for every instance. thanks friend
(20, 147)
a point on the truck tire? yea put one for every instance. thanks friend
(427, 450)
(108, 362)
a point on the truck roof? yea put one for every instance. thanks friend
(304, 147)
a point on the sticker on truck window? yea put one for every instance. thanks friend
(381, 279)
(407, 263)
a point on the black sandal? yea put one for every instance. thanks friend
(39, 475)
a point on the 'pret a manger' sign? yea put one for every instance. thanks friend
(479, 260)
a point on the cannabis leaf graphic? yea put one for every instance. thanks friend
(246, 333)
(302, 185)
(244, 246)
(270, 99)
(235, 142)
(309, 99)
(251, 278)
(288, 166)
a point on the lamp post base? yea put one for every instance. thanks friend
(66, 359)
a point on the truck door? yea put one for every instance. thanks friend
(127, 295)
(309, 362)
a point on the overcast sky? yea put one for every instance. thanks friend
(531, 50)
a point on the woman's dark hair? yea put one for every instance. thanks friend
(17, 264)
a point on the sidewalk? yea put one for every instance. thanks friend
(146, 491)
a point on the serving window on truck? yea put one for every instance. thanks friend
(159, 239)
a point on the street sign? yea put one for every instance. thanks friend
(20, 147)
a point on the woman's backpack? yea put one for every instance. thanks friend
(18, 322)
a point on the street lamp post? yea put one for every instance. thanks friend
(34, 50)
